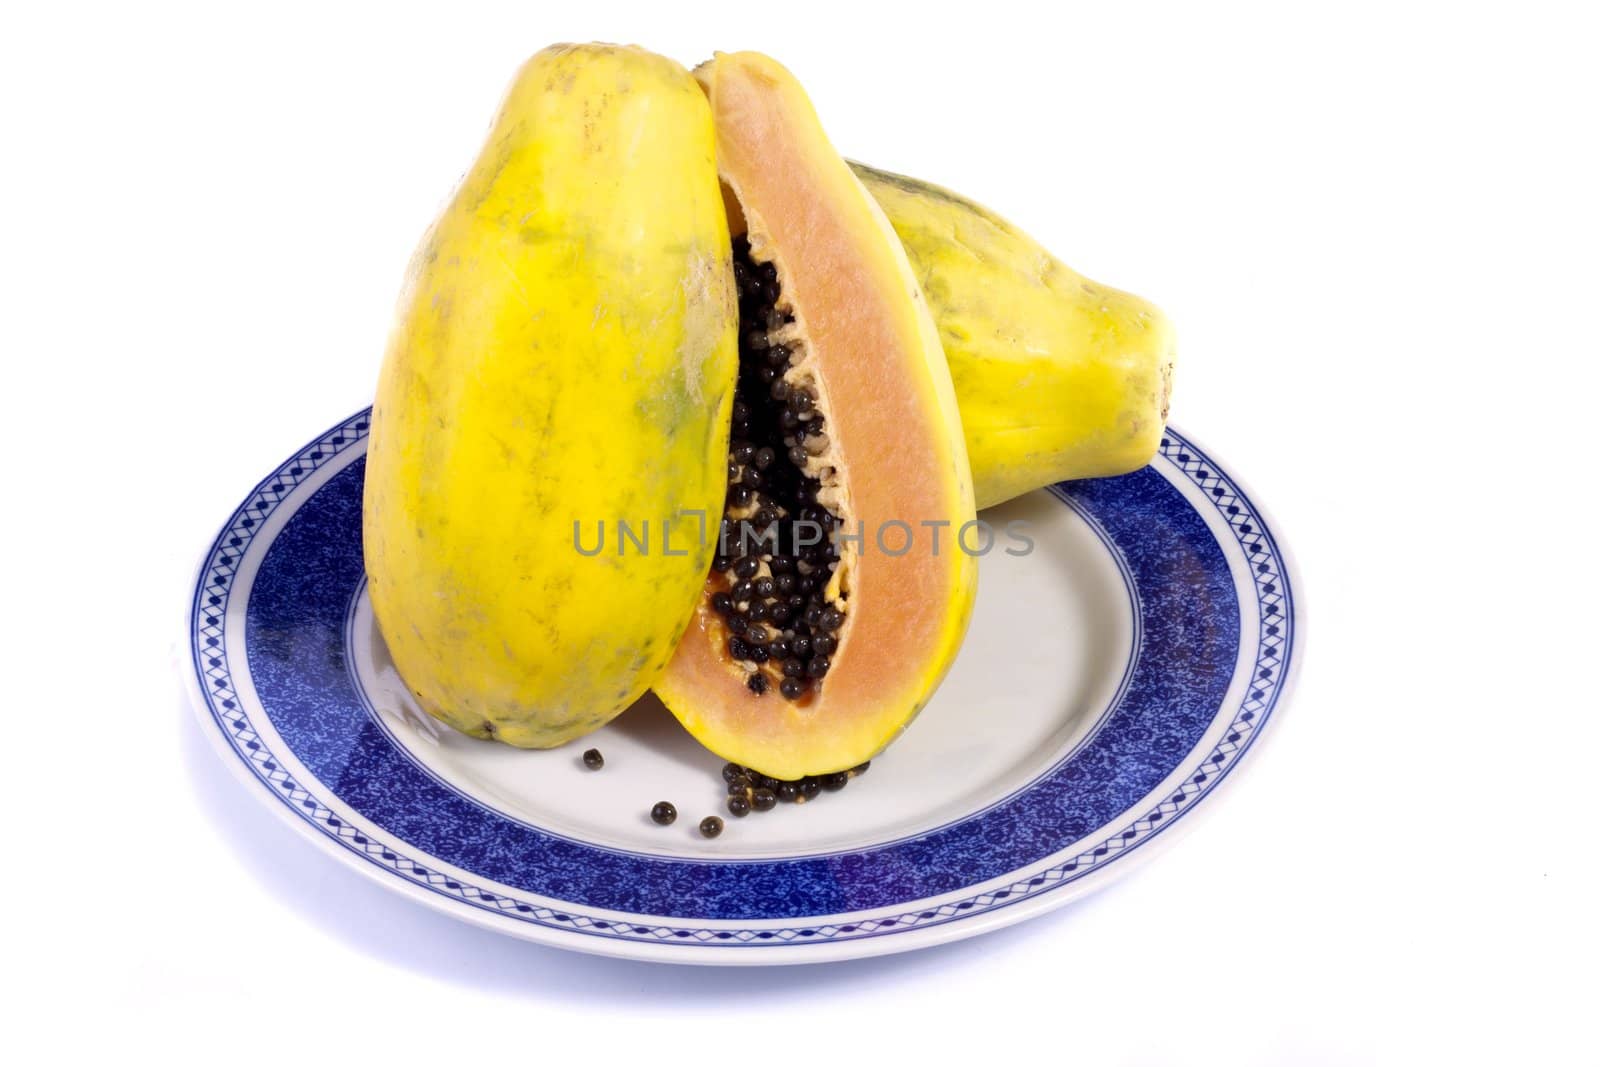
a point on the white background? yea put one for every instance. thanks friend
(1376, 230)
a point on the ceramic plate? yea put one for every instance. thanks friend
(1113, 678)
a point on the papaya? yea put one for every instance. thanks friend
(1057, 376)
(838, 595)
(563, 360)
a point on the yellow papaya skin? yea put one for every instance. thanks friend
(564, 355)
(1056, 376)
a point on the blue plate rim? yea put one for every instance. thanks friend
(1179, 449)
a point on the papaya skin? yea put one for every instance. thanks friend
(564, 353)
(865, 338)
(1057, 376)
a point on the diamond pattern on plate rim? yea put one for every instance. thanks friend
(211, 660)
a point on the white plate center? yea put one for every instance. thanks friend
(1052, 636)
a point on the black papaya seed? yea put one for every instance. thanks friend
(775, 614)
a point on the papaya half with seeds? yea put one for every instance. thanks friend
(837, 597)
(564, 357)
(1057, 376)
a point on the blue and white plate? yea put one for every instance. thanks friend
(1112, 680)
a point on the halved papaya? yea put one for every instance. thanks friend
(839, 593)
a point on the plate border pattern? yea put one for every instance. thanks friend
(1274, 654)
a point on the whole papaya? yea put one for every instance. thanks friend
(563, 359)
(1056, 376)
